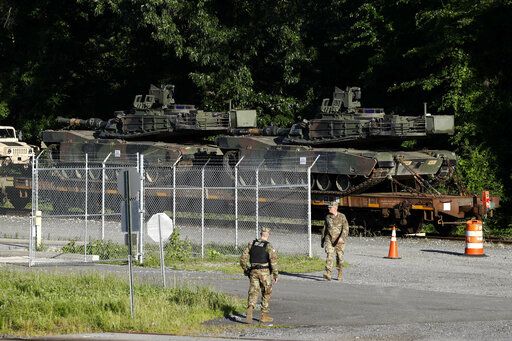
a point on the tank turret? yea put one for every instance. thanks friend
(344, 121)
(156, 116)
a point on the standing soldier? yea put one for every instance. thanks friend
(259, 262)
(334, 237)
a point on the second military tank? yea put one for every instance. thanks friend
(350, 148)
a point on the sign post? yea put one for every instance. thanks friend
(160, 228)
(127, 185)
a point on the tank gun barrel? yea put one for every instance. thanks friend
(92, 123)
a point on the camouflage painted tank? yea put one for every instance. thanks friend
(155, 126)
(355, 148)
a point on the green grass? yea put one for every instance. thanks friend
(178, 255)
(300, 264)
(41, 304)
(229, 264)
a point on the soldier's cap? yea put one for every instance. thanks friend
(265, 229)
(332, 204)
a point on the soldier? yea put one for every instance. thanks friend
(259, 262)
(334, 236)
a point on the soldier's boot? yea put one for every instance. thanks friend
(340, 275)
(265, 318)
(327, 276)
(248, 315)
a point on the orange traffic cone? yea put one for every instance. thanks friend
(393, 245)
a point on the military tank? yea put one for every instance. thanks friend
(155, 126)
(351, 148)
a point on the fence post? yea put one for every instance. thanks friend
(202, 208)
(34, 210)
(258, 199)
(103, 175)
(86, 214)
(174, 189)
(236, 202)
(310, 252)
(35, 207)
(142, 209)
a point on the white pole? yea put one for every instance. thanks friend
(162, 259)
(103, 176)
(35, 207)
(174, 189)
(202, 208)
(309, 208)
(32, 216)
(236, 202)
(257, 199)
(142, 209)
(86, 202)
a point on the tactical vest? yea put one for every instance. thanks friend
(258, 252)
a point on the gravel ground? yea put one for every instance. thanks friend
(427, 267)
(433, 265)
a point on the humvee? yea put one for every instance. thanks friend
(12, 150)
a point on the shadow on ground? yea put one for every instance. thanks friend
(304, 276)
(445, 252)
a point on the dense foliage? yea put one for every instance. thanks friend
(84, 57)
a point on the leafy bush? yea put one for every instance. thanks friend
(177, 249)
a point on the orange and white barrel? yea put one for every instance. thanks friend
(474, 238)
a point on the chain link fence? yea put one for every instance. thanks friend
(216, 209)
(219, 209)
(76, 211)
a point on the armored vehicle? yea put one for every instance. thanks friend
(12, 150)
(155, 126)
(351, 148)
(15, 158)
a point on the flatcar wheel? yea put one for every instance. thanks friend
(323, 182)
(342, 182)
(413, 224)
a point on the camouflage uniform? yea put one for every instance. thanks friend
(333, 226)
(260, 278)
